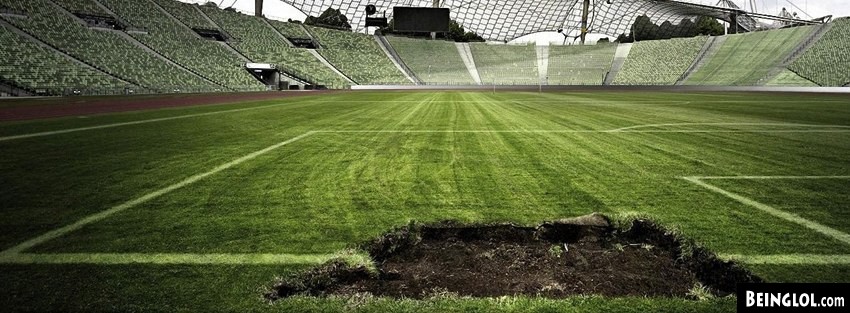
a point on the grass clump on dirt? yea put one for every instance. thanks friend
(587, 255)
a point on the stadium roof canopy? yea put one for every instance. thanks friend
(505, 20)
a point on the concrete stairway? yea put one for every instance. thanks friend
(801, 48)
(399, 63)
(620, 57)
(543, 64)
(468, 60)
(709, 49)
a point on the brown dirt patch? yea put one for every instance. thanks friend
(555, 260)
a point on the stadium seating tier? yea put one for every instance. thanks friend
(659, 62)
(580, 65)
(186, 13)
(787, 78)
(183, 46)
(82, 6)
(160, 52)
(358, 56)
(103, 49)
(506, 64)
(746, 59)
(433, 61)
(827, 62)
(260, 43)
(37, 68)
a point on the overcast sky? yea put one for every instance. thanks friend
(815, 8)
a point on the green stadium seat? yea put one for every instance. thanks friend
(787, 78)
(358, 56)
(102, 49)
(289, 30)
(183, 46)
(161, 53)
(33, 67)
(433, 61)
(82, 6)
(659, 62)
(506, 64)
(580, 65)
(827, 62)
(746, 59)
(262, 44)
(186, 13)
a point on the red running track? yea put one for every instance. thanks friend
(41, 108)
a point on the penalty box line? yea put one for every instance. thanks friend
(794, 218)
(16, 251)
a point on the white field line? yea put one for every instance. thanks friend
(790, 259)
(580, 101)
(483, 131)
(153, 120)
(16, 250)
(823, 229)
(291, 259)
(165, 258)
(588, 131)
(706, 131)
(630, 129)
(768, 177)
(727, 124)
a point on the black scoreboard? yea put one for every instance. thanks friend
(425, 20)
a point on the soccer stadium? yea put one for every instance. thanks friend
(424, 156)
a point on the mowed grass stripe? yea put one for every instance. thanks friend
(166, 258)
(790, 259)
(355, 187)
(823, 229)
(145, 198)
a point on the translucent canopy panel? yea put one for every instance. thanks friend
(504, 20)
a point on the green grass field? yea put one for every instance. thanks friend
(200, 208)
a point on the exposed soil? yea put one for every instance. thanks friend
(38, 108)
(584, 256)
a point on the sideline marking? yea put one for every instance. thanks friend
(728, 124)
(153, 120)
(586, 131)
(53, 234)
(790, 259)
(770, 177)
(630, 129)
(294, 259)
(823, 229)
(166, 258)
